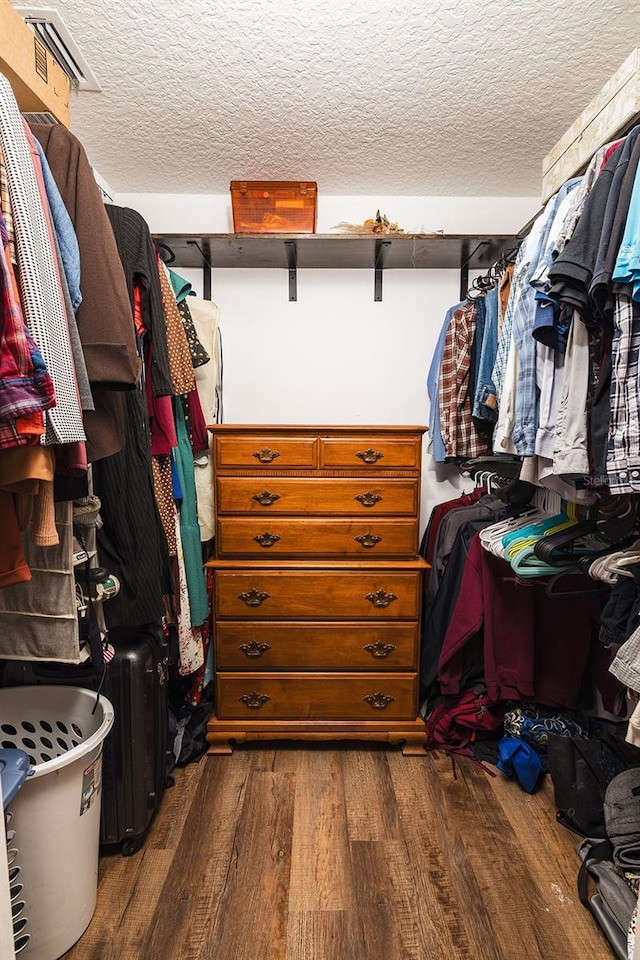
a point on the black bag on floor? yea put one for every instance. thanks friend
(613, 904)
(581, 769)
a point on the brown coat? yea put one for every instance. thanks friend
(105, 320)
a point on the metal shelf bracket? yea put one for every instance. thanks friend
(206, 267)
(381, 251)
(292, 260)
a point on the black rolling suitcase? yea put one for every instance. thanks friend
(136, 684)
(137, 755)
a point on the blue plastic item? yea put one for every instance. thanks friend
(14, 770)
(519, 759)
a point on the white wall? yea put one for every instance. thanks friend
(191, 213)
(335, 356)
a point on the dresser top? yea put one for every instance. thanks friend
(312, 428)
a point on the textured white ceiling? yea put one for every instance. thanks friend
(384, 97)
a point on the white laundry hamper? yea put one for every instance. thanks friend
(55, 816)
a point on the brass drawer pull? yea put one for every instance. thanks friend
(368, 539)
(265, 499)
(255, 649)
(380, 598)
(253, 598)
(254, 700)
(368, 499)
(369, 455)
(378, 700)
(379, 650)
(267, 539)
(265, 455)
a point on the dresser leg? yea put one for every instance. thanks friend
(219, 746)
(415, 746)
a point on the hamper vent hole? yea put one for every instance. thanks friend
(21, 943)
(46, 742)
(28, 742)
(46, 726)
(62, 743)
(29, 727)
(8, 728)
(45, 757)
(8, 745)
(17, 908)
(76, 729)
(62, 726)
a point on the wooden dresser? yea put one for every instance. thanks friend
(317, 584)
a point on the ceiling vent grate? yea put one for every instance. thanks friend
(46, 118)
(51, 30)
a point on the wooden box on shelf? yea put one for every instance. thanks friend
(273, 206)
(317, 584)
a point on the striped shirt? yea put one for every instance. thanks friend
(623, 450)
(40, 293)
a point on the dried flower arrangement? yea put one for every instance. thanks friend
(379, 224)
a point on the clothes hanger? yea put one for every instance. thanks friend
(491, 536)
(562, 594)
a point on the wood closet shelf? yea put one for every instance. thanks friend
(421, 251)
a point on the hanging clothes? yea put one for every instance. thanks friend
(41, 296)
(104, 316)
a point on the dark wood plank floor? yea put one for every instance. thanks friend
(331, 852)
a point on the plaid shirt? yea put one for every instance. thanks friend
(459, 433)
(26, 389)
(623, 452)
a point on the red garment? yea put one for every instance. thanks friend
(535, 647)
(138, 318)
(13, 568)
(196, 424)
(610, 149)
(162, 427)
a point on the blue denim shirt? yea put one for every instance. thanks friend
(485, 403)
(65, 232)
(437, 444)
(526, 422)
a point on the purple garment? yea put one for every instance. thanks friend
(535, 647)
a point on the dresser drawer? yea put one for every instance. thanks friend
(371, 453)
(333, 646)
(316, 696)
(306, 537)
(291, 496)
(264, 452)
(371, 594)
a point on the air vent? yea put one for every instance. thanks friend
(46, 118)
(50, 29)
